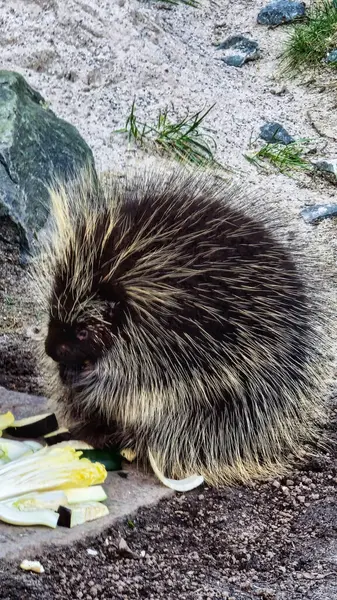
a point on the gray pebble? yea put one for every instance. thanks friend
(274, 133)
(239, 50)
(326, 166)
(331, 57)
(281, 11)
(312, 214)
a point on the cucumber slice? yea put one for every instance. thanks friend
(14, 516)
(40, 500)
(76, 444)
(111, 459)
(6, 420)
(81, 513)
(33, 427)
(93, 493)
(55, 437)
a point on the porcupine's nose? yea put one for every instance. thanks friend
(56, 352)
(62, 352)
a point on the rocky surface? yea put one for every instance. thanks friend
(35, 146)
(274, 133)
(316, 213)
(239, 50)
(280, 12)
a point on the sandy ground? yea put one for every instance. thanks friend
(89, 60)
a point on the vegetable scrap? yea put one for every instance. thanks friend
(50, 483)
(32, 565)
(55, 481)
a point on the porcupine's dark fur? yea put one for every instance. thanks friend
(177, 322)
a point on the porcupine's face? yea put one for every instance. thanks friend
(77, 346)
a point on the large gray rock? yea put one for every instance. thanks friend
(34, 146)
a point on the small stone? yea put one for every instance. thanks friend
(274, 133)
(94, 78)
(326, 166)
(71, 75)
(289, 482)
(239, 50)
(301, 499)
(276, 484)
(331, 57)
(285, 490)
(92, 552)
(317, 212)
(124, 550)
(281, 11)
(279, 90)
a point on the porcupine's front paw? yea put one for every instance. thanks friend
(102, 435)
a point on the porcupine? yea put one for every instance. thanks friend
(177, 321)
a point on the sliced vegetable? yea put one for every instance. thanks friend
(14, 516)
(49, 469)
(55, 437)
(33, 427)
(35, 446)
(111, 459)
(179, 485)
(77, 444)
(128, 454)
(6, 420)
(81, 513)
(12, 450)
(94, 493)
(39, 500)
(32, 565)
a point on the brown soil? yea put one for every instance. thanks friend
(17, 368)
(273, 541)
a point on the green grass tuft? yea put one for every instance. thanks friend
(310, 41)
(285, 159)
(182, 140)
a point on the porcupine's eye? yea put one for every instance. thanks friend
(82, 335)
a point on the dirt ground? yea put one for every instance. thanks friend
(89, 59)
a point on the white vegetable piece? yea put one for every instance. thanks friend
(32, 565)
(14, 516)
(76, 444)
(12, 450)
(35, 446)
(77, 514)
(179, 485)
(94, 493)
(39, 500)
(49, 469)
